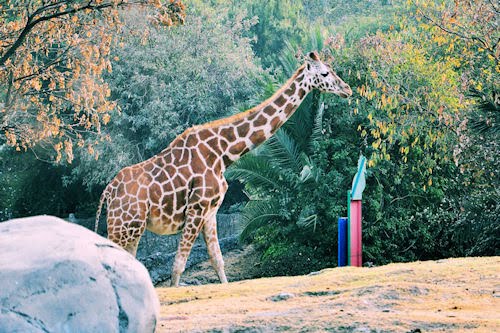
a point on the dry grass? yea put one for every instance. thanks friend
(453, 295)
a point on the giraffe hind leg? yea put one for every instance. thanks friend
(132, 246)
(190, 231)
(126, 234)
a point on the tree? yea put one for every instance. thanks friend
(53, 54)
(174, 83)
(466, 33)
(278, 22)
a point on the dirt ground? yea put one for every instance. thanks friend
(241, 264)
(452, 295)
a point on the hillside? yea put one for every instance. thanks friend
(452, 295)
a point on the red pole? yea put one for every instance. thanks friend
(355, 234)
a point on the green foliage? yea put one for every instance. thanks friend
(174, 83)
(293, 259)
(32, 187)
(278, 22)
(425, 111)
(289, 195)
(409, 101)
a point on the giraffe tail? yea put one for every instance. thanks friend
(104, 196)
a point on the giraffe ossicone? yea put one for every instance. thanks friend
(181, 188)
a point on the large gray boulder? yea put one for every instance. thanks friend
(56, 276)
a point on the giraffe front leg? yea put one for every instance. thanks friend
(190, 231)
(213, 248)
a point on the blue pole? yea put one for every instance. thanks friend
(348, 228)
(342, 243)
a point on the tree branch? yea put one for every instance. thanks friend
(40, 71)
(32, 22)
(485, 45)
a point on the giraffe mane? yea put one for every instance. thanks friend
(241, 115)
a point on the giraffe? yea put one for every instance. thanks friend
(180, 189)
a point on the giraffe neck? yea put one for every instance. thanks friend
(247, 130)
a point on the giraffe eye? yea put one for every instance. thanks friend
(324, 74)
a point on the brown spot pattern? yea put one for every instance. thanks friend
(182, 187)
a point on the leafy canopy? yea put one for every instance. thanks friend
(53, 54)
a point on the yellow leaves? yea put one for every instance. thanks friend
(55, 126)
(14, 25)
(45, 91)
(439, 39)
(383, 127)
(11, 138)
(58, 147)
(415, 141)
(361, 90)
(157, 3)
(366, 92)
(36, 84)
(52, 84)
(370, 117)
(105, 118)
(68, 150)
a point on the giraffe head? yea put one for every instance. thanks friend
(323, 77)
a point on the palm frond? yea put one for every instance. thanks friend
(487, 120)
(283, 151)
(317, 128)
(258, 213)
(288, 58)
(307, 218)
(268, 86)
(257, 171)
(299, 125)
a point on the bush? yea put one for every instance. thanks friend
(293, 259)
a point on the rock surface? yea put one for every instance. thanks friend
(159, 264)
(56, 276)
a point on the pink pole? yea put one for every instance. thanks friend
(355, 234)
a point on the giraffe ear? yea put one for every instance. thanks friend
(314, 56)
